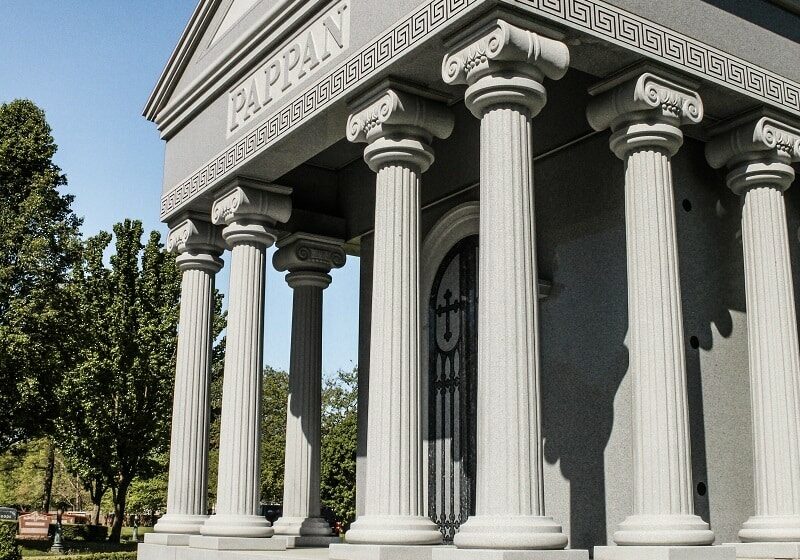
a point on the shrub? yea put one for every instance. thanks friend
(96, 533)
(109, 556)
(90, 533)
(9, 550)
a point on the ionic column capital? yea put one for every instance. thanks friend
(249, 209)
(504, 64)
(644, 111)
(198, 244)
(398, 126)
(308, 258)
(758, 151)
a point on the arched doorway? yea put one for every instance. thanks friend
(452, 389)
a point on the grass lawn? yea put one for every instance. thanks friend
(42, 548)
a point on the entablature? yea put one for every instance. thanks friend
(603, 39)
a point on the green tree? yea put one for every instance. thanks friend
(148, 495)
(9, 549)
(23, 469)
(339, 443)
(39, 244)
(273, 434)
(116, 402)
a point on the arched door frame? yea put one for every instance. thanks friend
(458, 223)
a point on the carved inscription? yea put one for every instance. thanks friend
(304, 56)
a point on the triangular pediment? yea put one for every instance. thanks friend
(235, 11)
(217, 32)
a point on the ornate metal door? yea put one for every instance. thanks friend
(452, 389)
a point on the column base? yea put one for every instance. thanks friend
(380, 552)
(771, 529)
(298, 526)
(180, 523)
(394, 530)
(447, 553)
(167, 539)
(768, 550)
(236, 543)
(510, 532)
(244, 526)
(307, 541)
(157, 551)
(663, 530)
(722, 552)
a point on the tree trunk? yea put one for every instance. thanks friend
(120, 495)
(48, 477)
(96, 491)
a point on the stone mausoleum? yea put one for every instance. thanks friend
(577, 244)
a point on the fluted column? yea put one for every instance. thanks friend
(199, 247)
(249, 210)
(645, 113)
(504, 67)
(758, 152)
(398, 127)
(308, 258)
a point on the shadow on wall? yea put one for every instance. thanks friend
(584, 322)
(708, 219)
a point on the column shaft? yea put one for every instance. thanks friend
(394, 511)
(663, 506)
(774, 367)
(509, 426)
(301, 486)
(662, 457)
(398, 127)
(238, 484)
(301, 481)
(191, 404)
(394, 430)
(188, 465)
(509, 509)
(645, 112)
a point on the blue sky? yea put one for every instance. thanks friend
(91, 64)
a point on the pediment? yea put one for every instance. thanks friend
(236, 10)
(214, 46)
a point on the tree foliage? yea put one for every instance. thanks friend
(339, 443)
(9, 549)
(23, 469)
(39, 244)
(273, 434)
(339, 440)
(116, 402)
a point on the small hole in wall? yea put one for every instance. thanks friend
(694, 342)
(687, 204)
(701, 488)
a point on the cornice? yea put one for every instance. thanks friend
(594, 17)
(188, 42)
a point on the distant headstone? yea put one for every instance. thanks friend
(74, 517)
(34, 525)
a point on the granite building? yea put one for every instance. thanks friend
(577, 244)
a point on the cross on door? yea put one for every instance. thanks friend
(446, 310)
